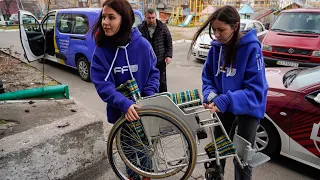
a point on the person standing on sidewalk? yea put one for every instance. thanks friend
(159, 36)
(234, 80)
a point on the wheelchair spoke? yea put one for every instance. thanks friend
(151, 147)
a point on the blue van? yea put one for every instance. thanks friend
(63, 36)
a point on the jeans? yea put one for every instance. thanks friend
(247, 128)
(162, 67)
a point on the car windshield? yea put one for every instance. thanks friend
(137, 20)
(301, 77)
(304, 23)
(242, 26)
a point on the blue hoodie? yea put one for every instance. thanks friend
(242, 90)
(139, 54)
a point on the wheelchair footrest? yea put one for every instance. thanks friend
(258, 158)
(224, 146)
(247, 154)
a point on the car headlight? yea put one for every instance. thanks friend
(316, 53)
(266, 47)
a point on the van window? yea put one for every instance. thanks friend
(64, 23)
(304, 23)
(81, 24)
(30, 24)
(48, 23)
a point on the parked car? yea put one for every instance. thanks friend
(294, 39)
(203, 45)
(14, 18)
(292, 118)
(63, 36)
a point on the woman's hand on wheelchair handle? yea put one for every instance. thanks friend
(131, 114)
(213, 108)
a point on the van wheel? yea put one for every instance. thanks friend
(83, 67)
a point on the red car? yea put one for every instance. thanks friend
(292, 118)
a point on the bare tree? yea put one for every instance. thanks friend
(6, 6)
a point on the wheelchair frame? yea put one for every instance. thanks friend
(187, 116)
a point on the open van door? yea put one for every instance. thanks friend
(31, 36)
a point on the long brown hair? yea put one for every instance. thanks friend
(230, 16)
(123, 8)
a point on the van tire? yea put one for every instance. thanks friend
(83, 67)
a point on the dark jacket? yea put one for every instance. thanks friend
(161, 41)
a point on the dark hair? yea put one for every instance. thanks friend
(123, 8)
(230, 16)
(150, 11)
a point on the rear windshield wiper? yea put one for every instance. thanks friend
(282, 30)
(305, 32)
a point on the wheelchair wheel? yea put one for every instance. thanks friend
(159, 145)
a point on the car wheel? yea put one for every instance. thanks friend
(267, 138)
(83, 67)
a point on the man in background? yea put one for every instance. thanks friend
(159, 37)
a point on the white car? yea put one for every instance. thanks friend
(202, 45)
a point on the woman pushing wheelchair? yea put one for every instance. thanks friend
(234, 82)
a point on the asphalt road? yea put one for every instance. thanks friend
(183, 74)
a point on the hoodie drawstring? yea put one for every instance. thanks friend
(229, 71)
(218, 71)
(114, 59)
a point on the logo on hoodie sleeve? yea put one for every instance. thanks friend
(260, 61)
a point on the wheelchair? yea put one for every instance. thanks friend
(164, 142)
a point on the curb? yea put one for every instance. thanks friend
(180, 41)
(10, 30)
(61, 101)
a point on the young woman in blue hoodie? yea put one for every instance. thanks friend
(121, 54)
(234, 82)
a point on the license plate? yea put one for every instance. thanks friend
(287, 63)
(203, 53)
